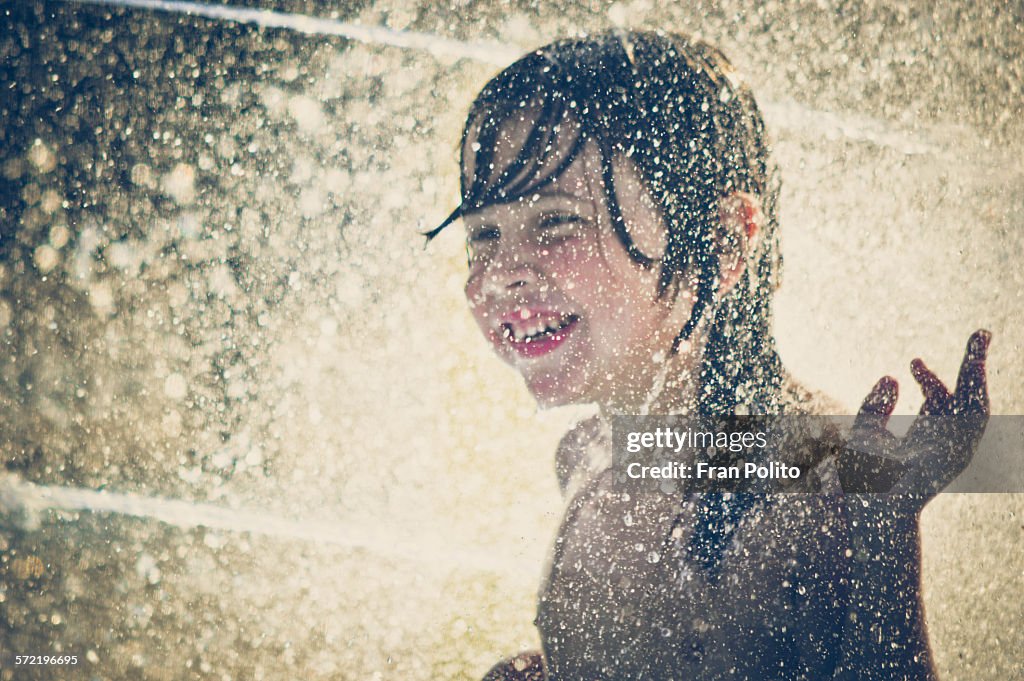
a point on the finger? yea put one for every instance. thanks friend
(937, 398)
(879, 404)
(867, 463)
(971, 396)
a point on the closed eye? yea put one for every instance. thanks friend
(485, 234)
(558, 228)
(481, 244)
(556, 219)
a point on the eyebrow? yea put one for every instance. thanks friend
(541, 196)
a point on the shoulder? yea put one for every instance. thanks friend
(812, 443)
(575, 456)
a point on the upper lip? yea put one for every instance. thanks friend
(525, 320)
(523, 314)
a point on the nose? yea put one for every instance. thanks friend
(509, 273)
(512, 281)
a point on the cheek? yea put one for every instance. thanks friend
(619, 306)
(580, 272)
(472, 290)
(629, 295)
(474, 297)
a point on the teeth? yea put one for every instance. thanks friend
(529, 332)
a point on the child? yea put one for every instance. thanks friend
(620, 209)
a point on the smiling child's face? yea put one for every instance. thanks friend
(555, 292)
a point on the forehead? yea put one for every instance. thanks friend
(507, 146)
(524, 156)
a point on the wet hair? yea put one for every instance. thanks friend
(673, 106)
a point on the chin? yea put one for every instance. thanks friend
(549, 392)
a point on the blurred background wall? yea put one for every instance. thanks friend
(213, 290)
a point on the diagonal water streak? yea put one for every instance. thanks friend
(788, 115)
(488, 53)
(857, 128)
(23, 503)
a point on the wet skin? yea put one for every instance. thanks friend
(559, 299)
(811, 587)
(623, 599)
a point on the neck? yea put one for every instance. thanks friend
(672, 389)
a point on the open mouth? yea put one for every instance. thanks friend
(539, 330)
(531, 338)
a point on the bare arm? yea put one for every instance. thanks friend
(570, 459)
(885, 636)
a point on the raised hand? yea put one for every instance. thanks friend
(940, 443)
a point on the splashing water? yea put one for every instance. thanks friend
(217, 310)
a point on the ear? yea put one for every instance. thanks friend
(742, 220)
